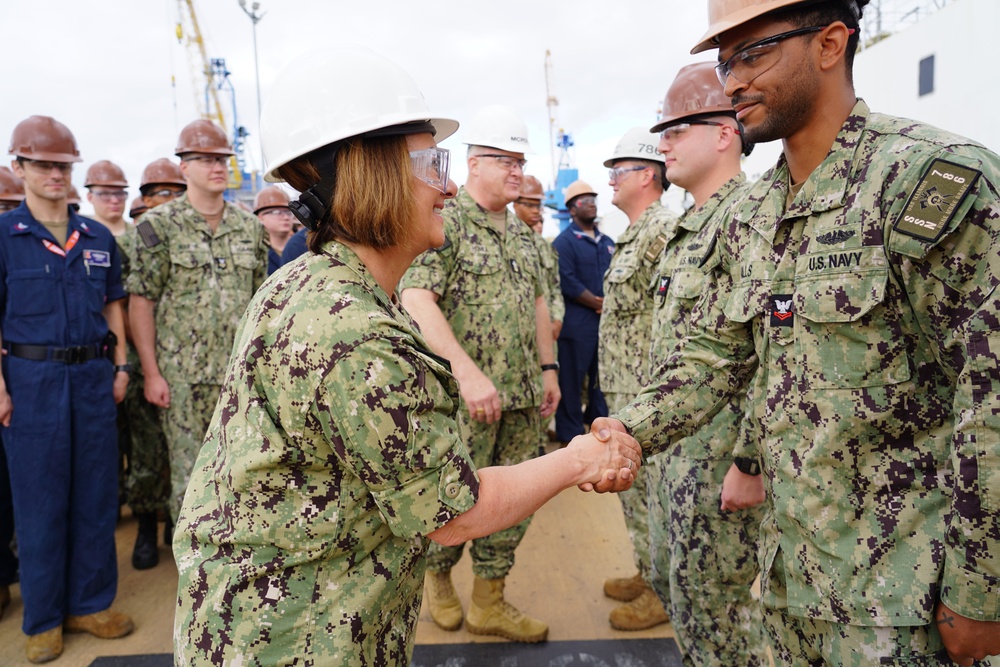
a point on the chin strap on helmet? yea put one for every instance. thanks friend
(313, 205)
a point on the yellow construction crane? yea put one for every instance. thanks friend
(215, 79)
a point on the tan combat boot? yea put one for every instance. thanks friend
(105, 624)
(44, 646)
(442, 600)
(625, 589)
(490, 614)
(642, 613)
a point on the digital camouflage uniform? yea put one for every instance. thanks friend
(147, 482)
(871, 303)
(487, 286)
(704, 558)
(334, 450)
(201, 283)
(624, 332)
(548, 259)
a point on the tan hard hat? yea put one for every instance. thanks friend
(696, 91)
(44, 138)
(577, 188)
(107, 173)
(11, 187)
(203, 136)
(138, 207)
(162, 172)
(270, 197)
(531, 188)
(725, 15)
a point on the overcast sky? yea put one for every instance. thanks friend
(115, 73)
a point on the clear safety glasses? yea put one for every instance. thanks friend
(431, 165)
(750, 62)
(619, 173)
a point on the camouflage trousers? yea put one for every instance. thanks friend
(704, 562)
(635, 501)
(147, 480)
(184, 425)
(510, 440)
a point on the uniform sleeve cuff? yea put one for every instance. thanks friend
(970, 594)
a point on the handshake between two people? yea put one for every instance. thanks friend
(610, 458)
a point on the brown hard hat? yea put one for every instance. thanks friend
(44, 138)
(138, 207)
(270, 197)
(105, 172)
(74, 196)
(577, 188)
(724, 15)
(162, 172)
(531, 188)
(695, 91)
(11, 187)
(203, 136)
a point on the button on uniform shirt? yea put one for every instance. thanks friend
(626, 319)
(487, 284)
(870, 300)
(201, 282)
(333, 451)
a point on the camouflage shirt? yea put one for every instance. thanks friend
(201, 283)
(333, 450)
(626, 318)
(548, 260)
(127, 242)
(487, 285)
(872, 306)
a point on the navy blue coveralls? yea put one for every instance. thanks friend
(583, 262)
(61, 444)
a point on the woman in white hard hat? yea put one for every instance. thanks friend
(334, 449)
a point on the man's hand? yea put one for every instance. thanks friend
(6, 407)
(741, 491)
(551, 394)
(480, 397)
(607, 424)
(966, 639)
(121, 384)
(600, 304)
(624, 458)
(556, 329)
(157, 391)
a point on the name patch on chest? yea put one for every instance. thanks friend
(934, 201)
(97, 258)
(834, 260)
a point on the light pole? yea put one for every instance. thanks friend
(254, 19)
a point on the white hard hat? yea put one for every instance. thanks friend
(637, 144)
(325, 96)
(497, 126)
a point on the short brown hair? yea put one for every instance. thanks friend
(373, 203)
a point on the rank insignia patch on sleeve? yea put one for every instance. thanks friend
(934, 201)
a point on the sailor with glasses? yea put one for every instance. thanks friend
(199, 261)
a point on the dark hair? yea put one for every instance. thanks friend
(823, 14)
(373, 202)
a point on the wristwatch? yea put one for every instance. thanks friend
(747, 465)
(123, 368)
(550, 367)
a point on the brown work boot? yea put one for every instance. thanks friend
(625, 589)
(44, 646)
(442, 600)
(105, 624)
(490, 614)
(642, 613)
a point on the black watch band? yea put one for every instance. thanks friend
(747, 465)
(550, 367)
(123, 368)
